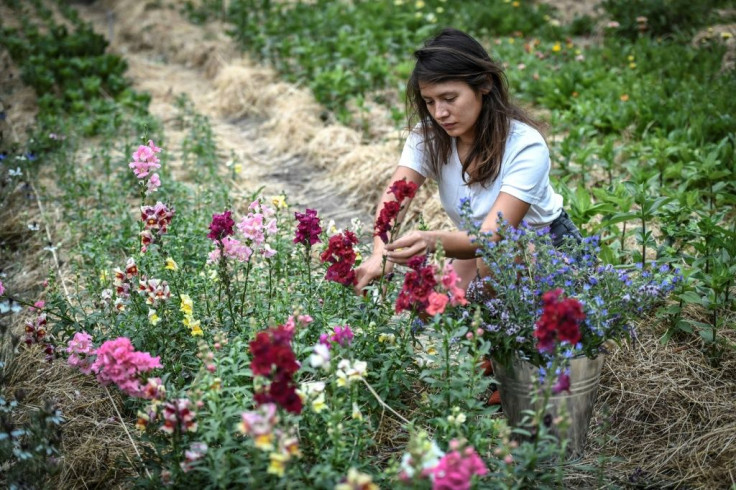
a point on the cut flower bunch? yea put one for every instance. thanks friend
(524, 265)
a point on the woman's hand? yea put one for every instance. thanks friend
(369, 270)
(413, 243)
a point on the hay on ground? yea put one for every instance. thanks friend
(95, 450)
(671, 418)
(239, 91)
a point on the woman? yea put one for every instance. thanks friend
(477, 145)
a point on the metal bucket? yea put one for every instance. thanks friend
(515, 384)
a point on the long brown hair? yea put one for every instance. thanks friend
(453, 55)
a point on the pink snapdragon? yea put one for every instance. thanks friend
(456, 469)
(81, 352)
(232, 249)
(562, 384)
(118, 362)
(2, 288)
(300, 320)
(153, 183)
(144, 159)
(437, 303)
(449, 282)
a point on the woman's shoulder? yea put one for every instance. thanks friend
(521, 132)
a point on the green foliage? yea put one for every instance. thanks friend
(663, 17)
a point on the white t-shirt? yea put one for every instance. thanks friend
(524, 174)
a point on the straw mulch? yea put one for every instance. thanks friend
(96, 451)
(665, 414)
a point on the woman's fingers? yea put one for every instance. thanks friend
(406, 247)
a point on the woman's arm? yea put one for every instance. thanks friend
(456, 244)
(372, 267)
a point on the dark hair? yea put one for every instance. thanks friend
(453, 55)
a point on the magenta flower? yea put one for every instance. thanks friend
(456, 469)
(118, 362)
(221, 226)
(308, 229)
(2, 288)
(563, 384)
(343, 335)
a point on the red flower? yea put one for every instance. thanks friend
(559, 321)
(401, 189)
(388, 214)
(274, 358)
(308, 229)
(221, 226)
(419, 283)
(341, 256)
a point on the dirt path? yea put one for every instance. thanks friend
(154, 67)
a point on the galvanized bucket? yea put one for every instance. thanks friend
(515, 383)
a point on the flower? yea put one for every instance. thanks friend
(342, 335)
(118, 362)
(437, 303)
(153, 317)
(422, 455)
(144, 159)
(348, 372)
(279, 201)
(320, 357)
(356, 480)
(178, 416)
(559, 321)
(528, 317)
(260, 425)
(171, 264)
(221, 226)
(402, 190)
(456, 469)
(308, 228)
(2, 288)
(153, 184)
(196, 451)
(341, 256)
(274, 359)
(419, 283)
(81, 352)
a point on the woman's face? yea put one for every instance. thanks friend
(455, 106)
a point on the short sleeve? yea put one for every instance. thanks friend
(413, 157)
(525, 173)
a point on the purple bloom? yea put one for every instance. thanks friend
(308, 228)
(221, 226)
